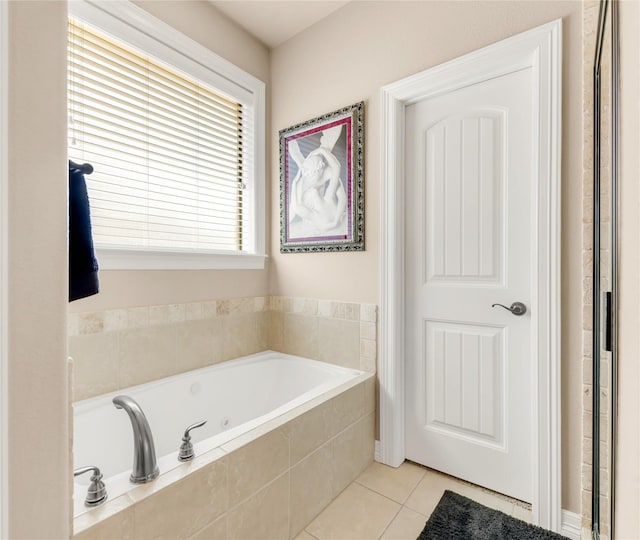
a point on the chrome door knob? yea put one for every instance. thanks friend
(517, 308)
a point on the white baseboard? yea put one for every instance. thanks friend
(571, 525)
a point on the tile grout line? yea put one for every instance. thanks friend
(311, 535)
(392, 520)
(376, 492)
(424, 473)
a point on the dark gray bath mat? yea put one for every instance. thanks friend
(459, 518)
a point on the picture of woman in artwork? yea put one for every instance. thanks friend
(317, 196)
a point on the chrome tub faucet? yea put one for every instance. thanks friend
(145, 467)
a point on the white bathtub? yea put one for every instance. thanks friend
(234, 397)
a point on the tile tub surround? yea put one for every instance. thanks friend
(123, 347)
(339, 333)
(269, 483)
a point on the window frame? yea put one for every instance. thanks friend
(117, 19)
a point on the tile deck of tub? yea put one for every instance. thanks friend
(385, 503)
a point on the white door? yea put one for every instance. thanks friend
(469, 215)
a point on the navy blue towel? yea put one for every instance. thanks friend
(83, 266)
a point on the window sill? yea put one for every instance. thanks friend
(125, 259)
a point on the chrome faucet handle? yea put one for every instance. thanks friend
(97, 492)
(186, 448)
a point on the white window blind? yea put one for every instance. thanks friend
(167, 150)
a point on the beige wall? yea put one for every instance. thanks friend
(38, 400)
(628, 464)
(369, 44)
(200, 21)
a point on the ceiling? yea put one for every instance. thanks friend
(274, 22)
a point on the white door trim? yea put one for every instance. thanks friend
(541, 50)
(4, 264)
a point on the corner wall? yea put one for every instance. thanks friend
(39, 495)
(348, 57)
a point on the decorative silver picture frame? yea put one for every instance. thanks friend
(322, 183)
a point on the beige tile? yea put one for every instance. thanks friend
(158, 315)
(138, 317)
(407, 525)
(357, 513)
(368, 349)
(368, 330)
(586, 472)
(199, 343)
(256, 464)
(193, 311)
(265, 515)
(276, 331)
(119, 526)
(147, 354)
(368, 364)
(246, 304)
(176, 312)
(338, 342)
(235, 306)
(301, 335)
(214, 531)
(338, 310)
(223, 307)
(260, 303)
(311, 430)
(324, 308)
(370, 395)
(165, 515)
(368, 312)
(429, 491)
(311, 487)
(397, 484)
(95, 364)
(352, 312)
(209, 309)
(115, 319)
(306, 306)
(113, 507)
(262, 330)
(352, 452)
(304, 535)
(275, 303)
(347, 407)
(239, 331)
(287, 304)
(91, 323)
(521, 513)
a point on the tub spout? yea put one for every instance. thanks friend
(145, 467)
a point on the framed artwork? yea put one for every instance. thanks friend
(321, 183)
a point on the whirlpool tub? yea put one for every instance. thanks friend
(240, 399)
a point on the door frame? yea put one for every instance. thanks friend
(541, 50)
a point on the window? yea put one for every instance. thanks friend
(173, 139)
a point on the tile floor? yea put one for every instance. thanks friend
(384, 503)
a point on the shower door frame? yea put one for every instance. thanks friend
(541, 50)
